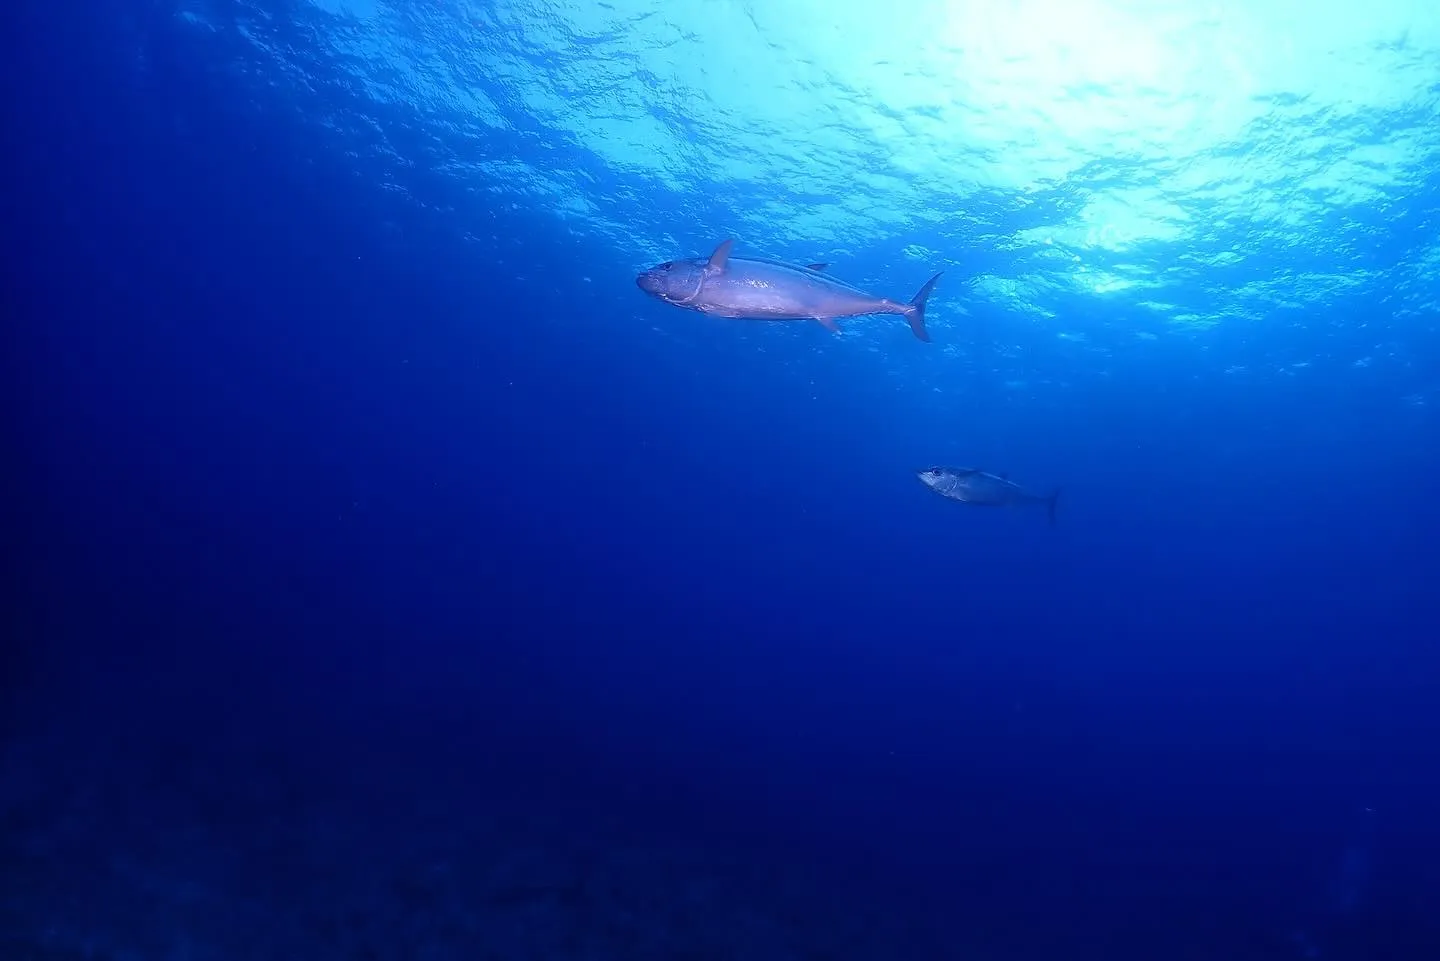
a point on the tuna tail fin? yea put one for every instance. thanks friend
(915, 310)
(1050, 505)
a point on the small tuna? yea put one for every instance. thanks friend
(752, 289)
(971, 486)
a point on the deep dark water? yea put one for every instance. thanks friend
(375, 603)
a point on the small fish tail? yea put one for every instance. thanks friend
(915, 310)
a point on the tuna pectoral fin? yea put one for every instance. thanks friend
(916, 311)
(714, 267)
(829, 324)
(1050, 505)
(716, 264)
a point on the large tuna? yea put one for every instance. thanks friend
(970, 486)
(753, 289)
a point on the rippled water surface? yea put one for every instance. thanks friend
(1158, 166)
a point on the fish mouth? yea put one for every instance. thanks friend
(647, 282)
(928, 476)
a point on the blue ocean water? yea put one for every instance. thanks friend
(393, 579)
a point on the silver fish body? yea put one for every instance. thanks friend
(756, 289)
(971, 486)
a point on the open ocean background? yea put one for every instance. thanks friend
(391, 580)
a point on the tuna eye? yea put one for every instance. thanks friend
(667, 265)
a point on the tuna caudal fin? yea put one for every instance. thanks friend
(915, 313)
(1050, 505)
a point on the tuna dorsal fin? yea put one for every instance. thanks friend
(816, 266)
(720, 256)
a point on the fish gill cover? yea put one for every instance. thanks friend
(401, 582)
